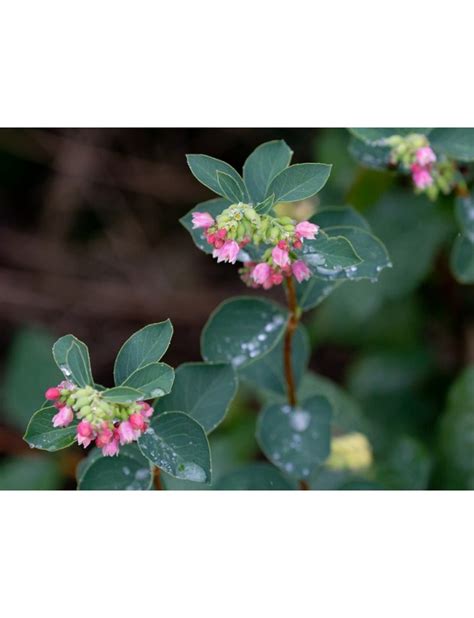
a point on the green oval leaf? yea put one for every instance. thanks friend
(264, 207)
(370, 249)
(213, 207)
(202, 390)
(255, 476)
(144, 347)
(41, 434)
(267, 373)
(265, 162)
(229, 188)
(300, 181)
(177, 444)
(455, 143)
(205, 169)
(72, 357)
(241, 330)
(326, 255)
(153, 380)
(296, 440)
(311, 293)
(465, 215)
(122, 394)
(333, 216)
(376, 135)
(129, 470)
(370, 155)
(462, 259)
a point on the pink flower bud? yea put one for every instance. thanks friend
(280, 256)
(308, 230)
(202, 219)
(85, 433)
(137, 421)
(52, 394)
(300, 271)
(126, 432)
(222, 233)
(104, 437)
(425, 156)
(421, 176)
(277, 278)
(228, 252)
(261, 272)
(147, 410)
(63, 417)
(111, 448)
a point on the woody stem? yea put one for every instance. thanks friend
(290, 330)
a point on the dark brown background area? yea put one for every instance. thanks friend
(90, 239)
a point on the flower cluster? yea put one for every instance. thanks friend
(240, 224)
(429, 174)
(106, 423)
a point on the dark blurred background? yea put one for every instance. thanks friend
(90, 243)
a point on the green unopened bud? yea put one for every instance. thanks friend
(274, 234)
(289, 228)
(252, 216)
(83, 401)
(86, 410)
(286, 221)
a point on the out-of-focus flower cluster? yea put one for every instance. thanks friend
(240, 224)
(106, 423)
(430, 175)
(350, 452)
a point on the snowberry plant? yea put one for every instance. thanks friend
(154, 419)
(439, 164)
(130, 440)
(264, 341)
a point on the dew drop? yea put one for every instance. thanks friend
(300, 420)
(190, 471)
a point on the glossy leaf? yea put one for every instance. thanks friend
(230, 188)
(205, 169)
(265, 162)
(370, 249)
(333, 216)
(41, 434)
(255, 476)
(300, 181)
(369, 155)
(267, 373)
(129, 470)
(241, 330)
(177, 444)
(462, 259)
(296, 440)
(152, 380)
(264, 207)
(465, 215)
(213, 207)
(326, 255)
(375, 135)
(121, 394)
(144, 347)
(202, 390)
(455, 143)
(311, 293)
(72, 357)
